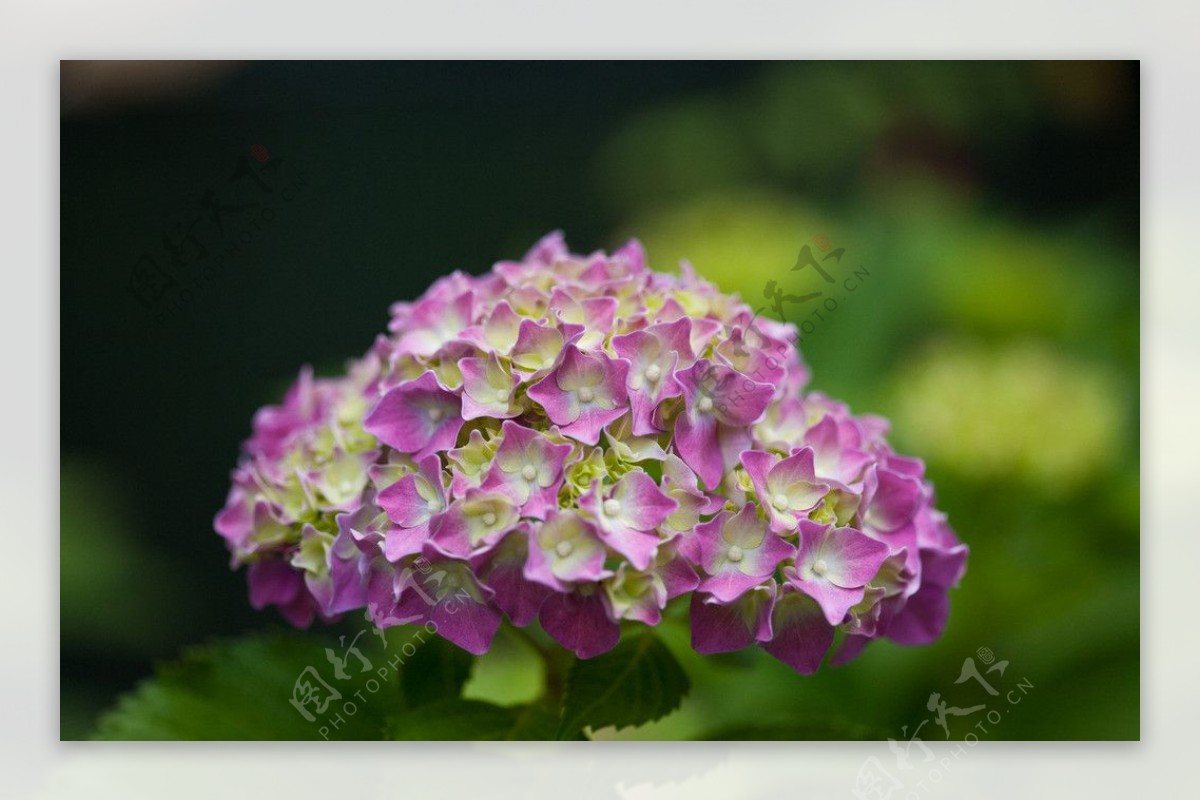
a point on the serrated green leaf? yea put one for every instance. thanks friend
(454, 719)
(436, 672)
(243, 690)
(637, 682)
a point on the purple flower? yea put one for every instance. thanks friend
(529, 467)
(276, 583)
(654, 354)
(584, 393)
(502, 569)
(488, 389)
(833, 567)
(575, 440)
(537, 348)
(274, 426)
(565, 549)
(738, 552)
(719, 627)
(417, 417)
(475, 522)
(593, 315)
(801, 633)
(836, 450)
(432, 322)
(891, 499)
(787, 488)
(680, 484)
(580, 622)
(714, 396)
(451, 598)
(415, 504)
(627, 514)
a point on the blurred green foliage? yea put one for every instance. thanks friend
(989, 218)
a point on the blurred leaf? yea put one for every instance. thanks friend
(454, 719)
(637, 682)
(670, 153)
(820, 729)
(815, 121)
(242, 690)
(100, 561)
(537, 721)
(436, 672)
(462, 719)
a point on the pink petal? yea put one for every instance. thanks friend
(723, 627)
(643, 505)
(580, 624)
(697, 444)
(802, 635)
(851, 557)
(835, 601)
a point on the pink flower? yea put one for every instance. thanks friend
(627, 515)
(577, 440)
(584, 393)
(788, 487)
(417, 417)
(738, 552)
(834, 566)
(715, 396)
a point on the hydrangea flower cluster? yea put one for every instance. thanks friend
(577, 440)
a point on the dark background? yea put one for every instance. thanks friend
(997, 204)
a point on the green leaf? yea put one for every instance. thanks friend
(454, 719)
(243, 690)
(836, 729)
(461, 719)
(637, 682)
(536, 721)
(436, 672)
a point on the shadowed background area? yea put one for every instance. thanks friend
(224, 224)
